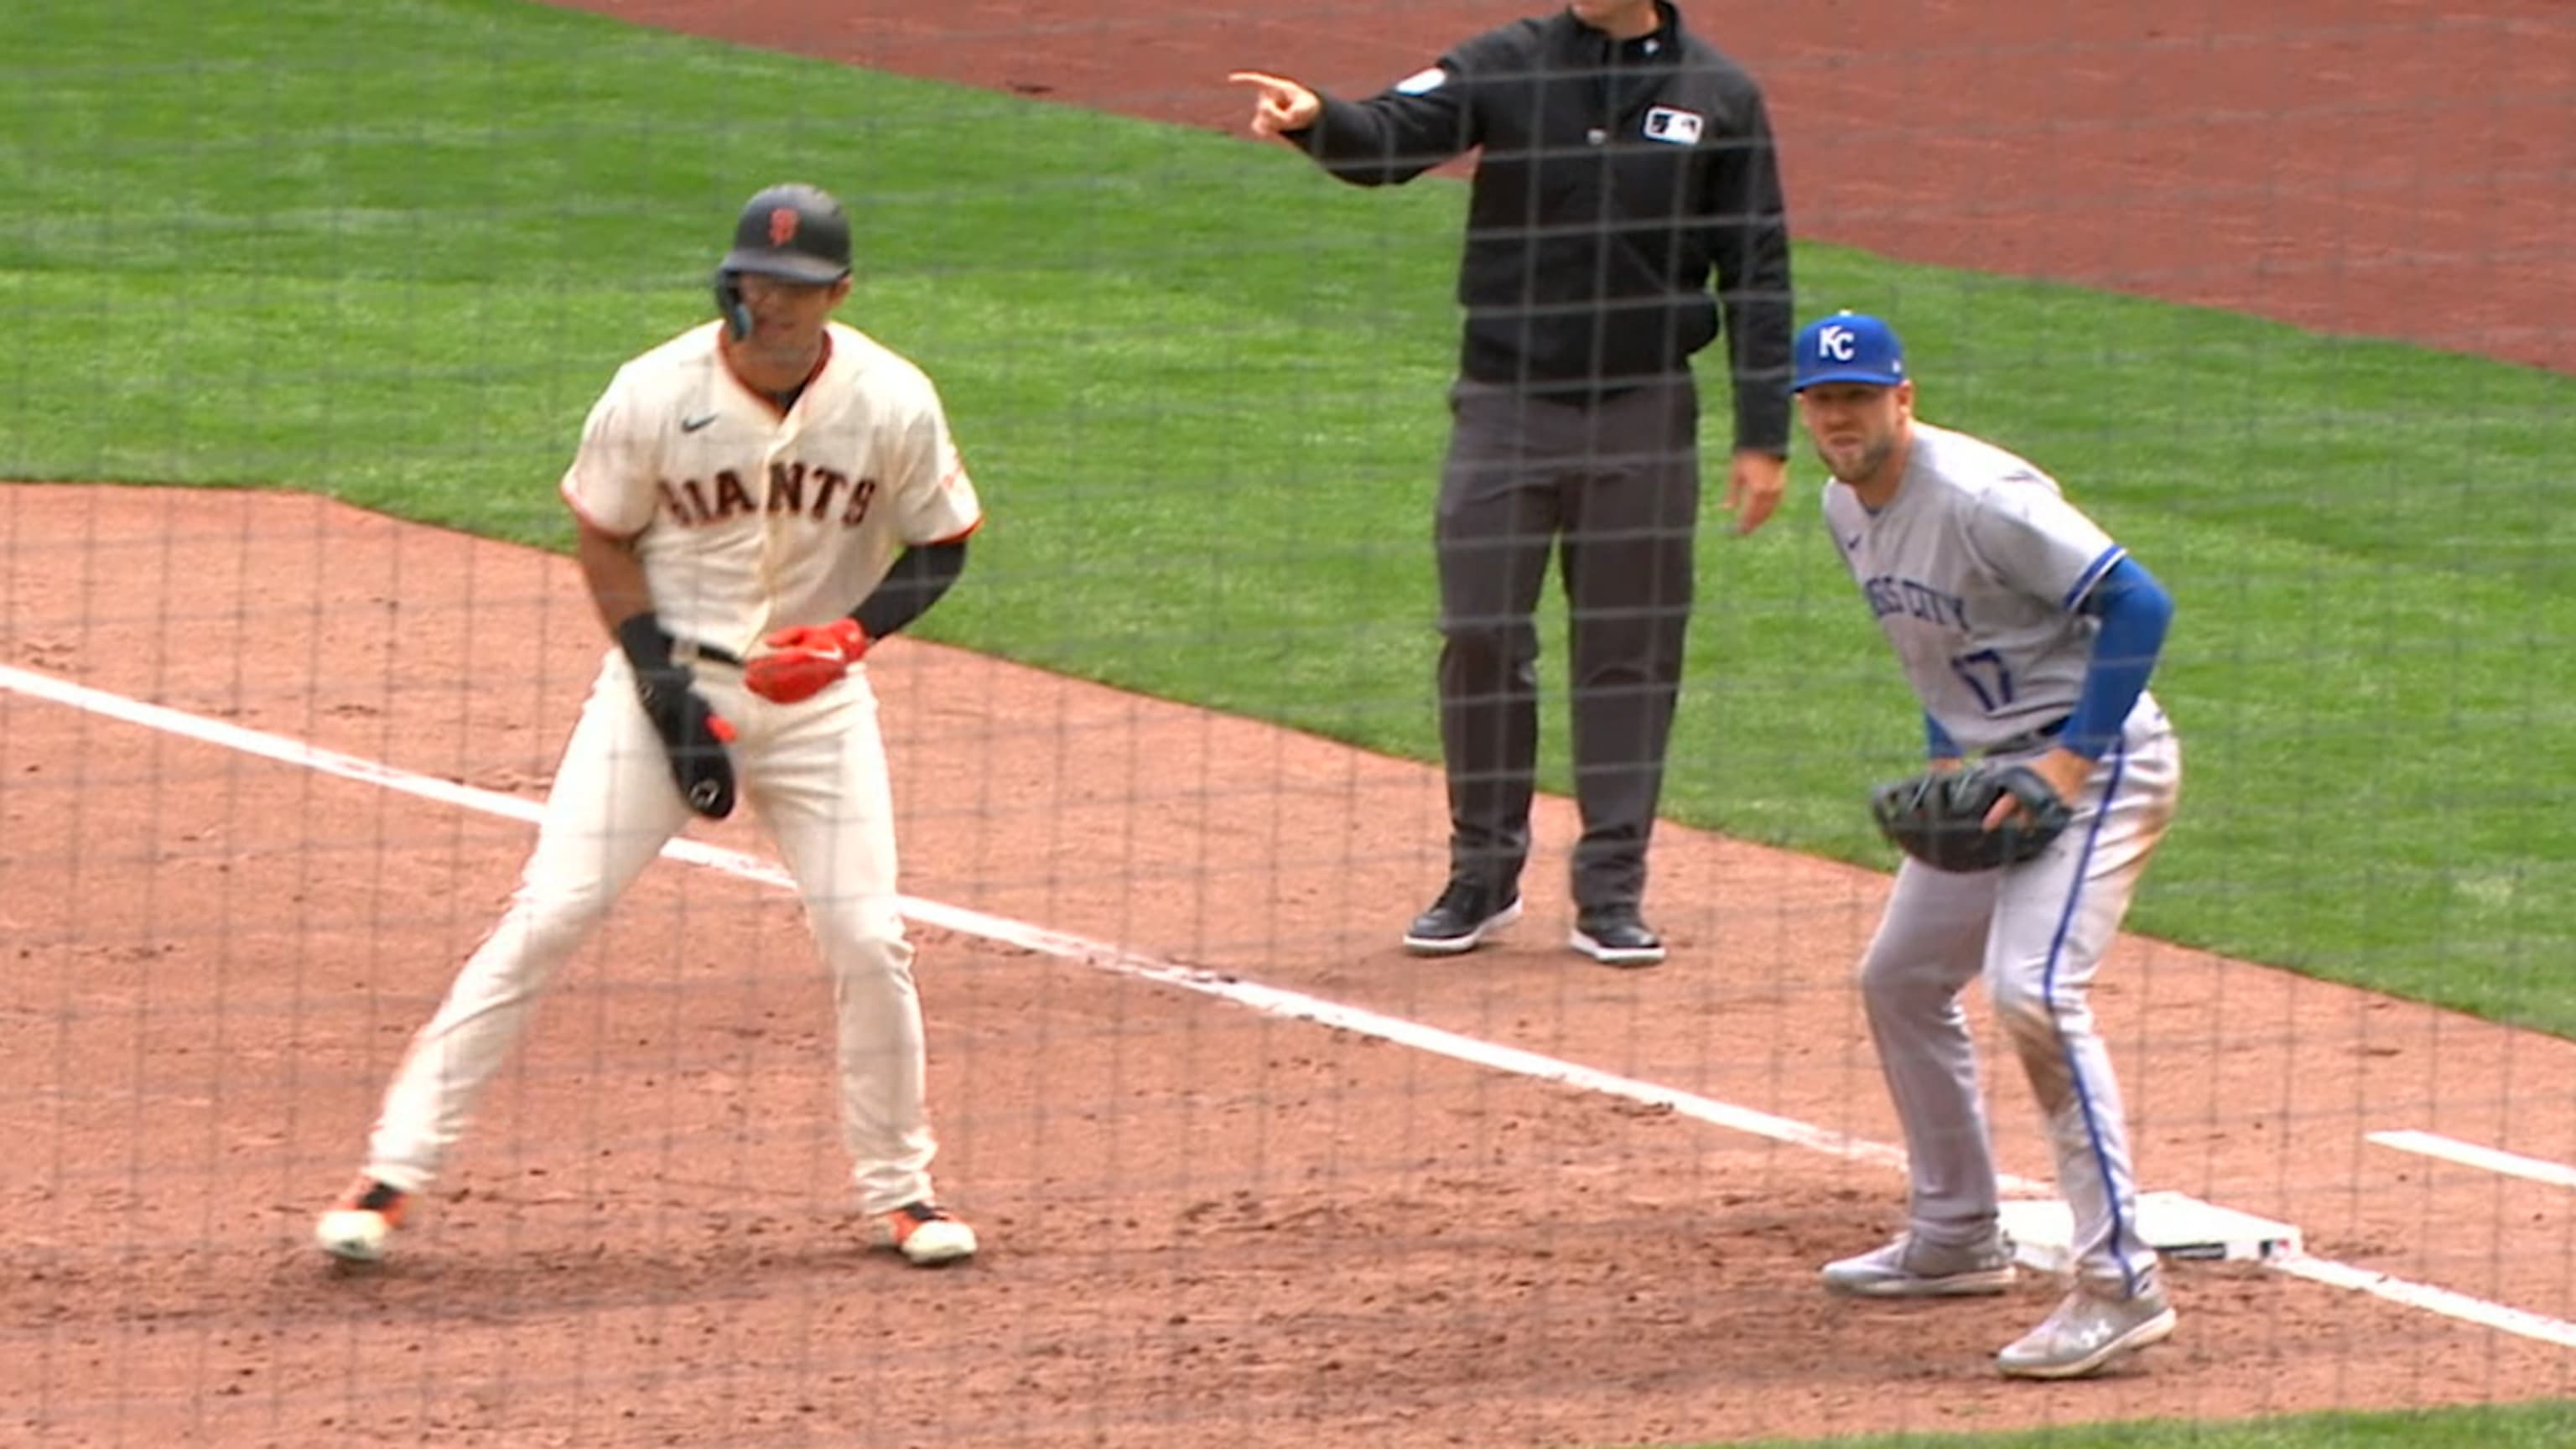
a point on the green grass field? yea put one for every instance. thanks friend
(391, 255)
(2521, 1426)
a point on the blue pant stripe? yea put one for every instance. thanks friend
(2120, 1228)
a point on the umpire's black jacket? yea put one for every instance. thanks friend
(1615, 177)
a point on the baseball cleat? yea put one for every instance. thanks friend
(2090, 1328)
(1460, 920)
(1912, 1268)
(1616, 937)
(925, 1234)
(357, 1227)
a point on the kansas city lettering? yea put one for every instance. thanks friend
(798, 489)
(1889, 594)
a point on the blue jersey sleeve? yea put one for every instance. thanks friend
(2134, 611)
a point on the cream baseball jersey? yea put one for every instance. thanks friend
(1977, 571)
(745, 514)
(746, 519)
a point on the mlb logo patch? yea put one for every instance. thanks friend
(1681, 128)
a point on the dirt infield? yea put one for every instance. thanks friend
(1209, 1226)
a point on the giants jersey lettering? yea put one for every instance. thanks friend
(746, 521)
(1976, 572)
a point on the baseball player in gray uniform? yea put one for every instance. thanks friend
(2028, 635)
(770, 484)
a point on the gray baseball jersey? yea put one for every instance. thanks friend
(1976, 570)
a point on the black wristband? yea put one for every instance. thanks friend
(646, 642)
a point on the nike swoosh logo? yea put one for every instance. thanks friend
(691, 425)
(1851, 543)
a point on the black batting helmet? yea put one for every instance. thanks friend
(794, 232)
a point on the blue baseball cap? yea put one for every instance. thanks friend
(1848, 347)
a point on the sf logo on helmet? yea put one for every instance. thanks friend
(1836, 343)
(782, 225)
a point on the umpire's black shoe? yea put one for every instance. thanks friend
(1614, 936)
(1460, 919)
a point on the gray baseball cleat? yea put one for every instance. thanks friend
(2090, 1328)
(1912, 1268)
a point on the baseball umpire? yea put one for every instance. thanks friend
(1624, 162)
(771, 487)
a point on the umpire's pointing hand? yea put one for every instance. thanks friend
(1284, 104)
(1753, 485)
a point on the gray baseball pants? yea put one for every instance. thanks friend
(2036, 932)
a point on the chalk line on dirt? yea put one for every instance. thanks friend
(1272, 1000)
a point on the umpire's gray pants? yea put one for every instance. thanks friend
(1617, 482)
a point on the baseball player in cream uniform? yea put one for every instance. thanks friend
(756, 500)
(2028, 634)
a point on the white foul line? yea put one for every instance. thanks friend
(2469, 1154)
(1279, 1001)
(1276, 1001)
(1270, 999)
(2431, 1299)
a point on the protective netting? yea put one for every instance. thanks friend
(309, 302)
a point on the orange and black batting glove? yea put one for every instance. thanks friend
(804, 660)
(693, 735)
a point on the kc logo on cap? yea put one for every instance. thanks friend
(1848, 347)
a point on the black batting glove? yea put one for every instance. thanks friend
(693, 734)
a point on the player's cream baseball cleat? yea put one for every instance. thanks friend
(2088, 1331)
(359, 1225)
(925, 1234)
